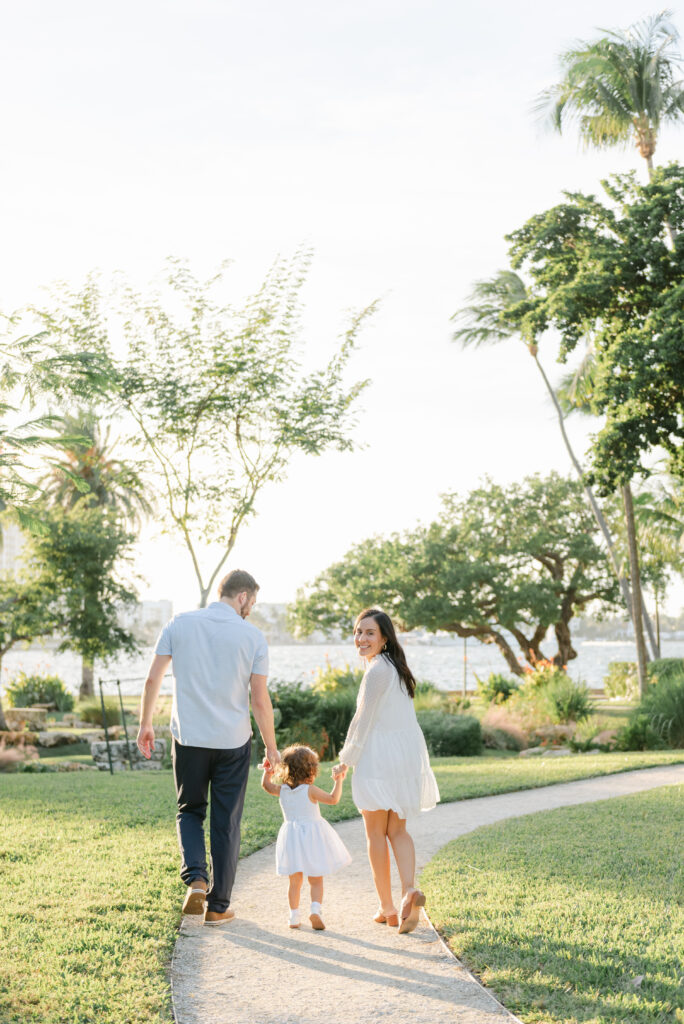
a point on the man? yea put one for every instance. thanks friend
(218, 658)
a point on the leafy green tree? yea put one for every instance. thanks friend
(216, 397)
(503, 565)
(621, 87)
(27, 612)
(603, 270)
(78, 556)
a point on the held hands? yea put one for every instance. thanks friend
(339, 771)
(270, 761)
(145, 740)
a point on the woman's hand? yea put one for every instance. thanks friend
(340, 770)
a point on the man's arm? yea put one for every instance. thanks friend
(160, 663)
(262, 709)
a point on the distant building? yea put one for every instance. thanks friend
(146, 619)
(12, 548)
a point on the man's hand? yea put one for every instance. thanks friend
(146, 740)
(271, 759)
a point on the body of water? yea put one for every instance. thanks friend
(441, 663)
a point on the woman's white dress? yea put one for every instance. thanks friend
(386, 747)
(306, 842)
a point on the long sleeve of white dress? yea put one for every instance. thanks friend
(371, 693)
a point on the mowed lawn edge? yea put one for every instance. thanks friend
(89, 888)
(572, 915)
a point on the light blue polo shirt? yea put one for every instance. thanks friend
(214, 652)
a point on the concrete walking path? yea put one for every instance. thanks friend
(256, 970)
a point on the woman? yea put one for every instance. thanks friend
(392, 776)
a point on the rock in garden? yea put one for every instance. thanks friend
(607, 738)
(74, 766)
(531, 752)
(119, 754)
(555, 733)
(18, 718)
(57, 739)
(557, 752)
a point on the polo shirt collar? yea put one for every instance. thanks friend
(223, 608)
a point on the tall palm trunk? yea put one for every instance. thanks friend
(636, 587)
(598, 514)
(87, 688)
(602, 524)
(3, 721)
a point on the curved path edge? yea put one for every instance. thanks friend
(256, 970)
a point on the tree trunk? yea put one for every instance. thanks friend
(636, 588)
(87, 679)
(566, 652)
(3, 720)
(598, 516)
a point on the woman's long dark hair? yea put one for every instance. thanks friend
(392, 650)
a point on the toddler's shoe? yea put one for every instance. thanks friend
(316, 917)
(295, 919)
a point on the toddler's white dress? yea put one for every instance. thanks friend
(306, 841)
(386, 747)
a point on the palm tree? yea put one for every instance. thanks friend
(621, 87)
(484, 323)
(88, 472)
(89, 469)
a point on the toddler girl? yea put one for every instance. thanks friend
(307, 844)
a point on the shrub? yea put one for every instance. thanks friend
(570, 700)
(23, 691)
(429, 697)
(451, 735)
(307, 734)
(663, 706)
(92, 713)
(621, 680)
(497, 688)
(531, 708)
(334, 712)
(639, 734)
(328, 711)
(329, 679)
(664, 669)
(544, 674)
(501, 731)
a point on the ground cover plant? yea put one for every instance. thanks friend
(575, 914)
(92, 943)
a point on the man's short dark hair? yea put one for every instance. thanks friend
(237, 582)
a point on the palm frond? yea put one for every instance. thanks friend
(483, 321)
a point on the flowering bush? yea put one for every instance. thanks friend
(24, 690)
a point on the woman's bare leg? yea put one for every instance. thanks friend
(404, 850)
(378, 855)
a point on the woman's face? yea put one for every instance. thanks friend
(368, 638)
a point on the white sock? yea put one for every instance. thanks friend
(294, 915)
(316, 908)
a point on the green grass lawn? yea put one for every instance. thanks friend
(89, 887)
(562, 913)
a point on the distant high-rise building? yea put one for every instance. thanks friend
(12, 548)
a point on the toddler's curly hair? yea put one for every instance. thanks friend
(298, 764)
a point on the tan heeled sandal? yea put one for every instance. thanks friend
(389, 919)
(410, 910)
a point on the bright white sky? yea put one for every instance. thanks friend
(396, 138)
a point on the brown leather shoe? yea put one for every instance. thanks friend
(213, 917)
(195, 897)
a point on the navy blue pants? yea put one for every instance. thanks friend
(200, 772)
